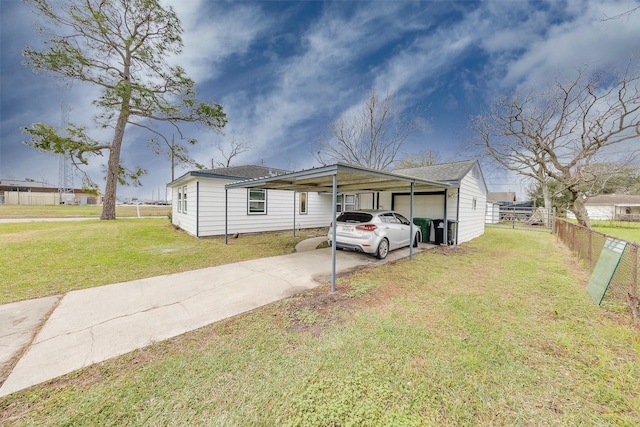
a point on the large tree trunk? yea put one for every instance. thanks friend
(109, 198)
(580, 210)
(546, 196)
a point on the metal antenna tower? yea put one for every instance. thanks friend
(65, 176)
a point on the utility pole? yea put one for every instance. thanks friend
(173, 163)
(65, 175)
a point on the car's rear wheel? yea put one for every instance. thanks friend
(338, 248)
(416, 241)
(383, 249)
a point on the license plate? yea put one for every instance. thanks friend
(348, 229)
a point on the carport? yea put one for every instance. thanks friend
(340, 178)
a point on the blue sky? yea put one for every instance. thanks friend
(285, 70)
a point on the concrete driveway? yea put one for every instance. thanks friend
(44, 338)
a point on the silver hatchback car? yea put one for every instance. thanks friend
(374, 232)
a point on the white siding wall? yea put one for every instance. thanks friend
(471, 216)
(210, 204)
(319, 211)
(601, 212)
(186, 221)
(493, 213)
(366, 201)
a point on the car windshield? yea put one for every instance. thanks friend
(354, 217)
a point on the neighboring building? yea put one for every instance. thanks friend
(618, 207)
(199, 201)
(32, 192)
(493, 213)
(502, 197)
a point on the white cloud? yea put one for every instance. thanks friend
(584, 40)
(210, 38)
(310, 85)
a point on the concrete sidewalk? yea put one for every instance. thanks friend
(53, 336)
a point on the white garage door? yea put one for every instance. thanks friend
(424, 206)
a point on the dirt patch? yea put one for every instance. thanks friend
(452, 250)
(315, 310)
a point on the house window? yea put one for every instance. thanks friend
(179, 199)
(303, 203)
(474, 203)
(257, 201)
(184, 199)
(346, 201)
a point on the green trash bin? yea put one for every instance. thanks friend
(425, 227)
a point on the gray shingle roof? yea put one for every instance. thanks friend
(246, 171)
(237, 173)
(446, 172)
(613, 199)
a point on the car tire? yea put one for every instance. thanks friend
(338, 248)
(416, 241)
(383, 249)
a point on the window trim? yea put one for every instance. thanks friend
(341, 202)
(184, 199)
(179, 199)
(249, 200)
(303, 203)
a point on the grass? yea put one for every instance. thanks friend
(497, 332)
(48, 258)
(77, 211)
(629, 231)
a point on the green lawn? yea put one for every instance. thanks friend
(76, 211)
(497, 332)
(629, 231)
(47, 258)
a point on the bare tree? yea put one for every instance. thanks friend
(237, 146)
(371, 137)
(416, 160)
(122, 47)
(559, 133)
(621, 15)
(507, 144)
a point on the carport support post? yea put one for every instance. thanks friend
(411, 224)
(333, 238)
(226, 207)
(294, 213)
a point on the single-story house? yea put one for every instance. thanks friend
(199, 203)
(248, 199)
(619, 207)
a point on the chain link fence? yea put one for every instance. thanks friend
(622, 293)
